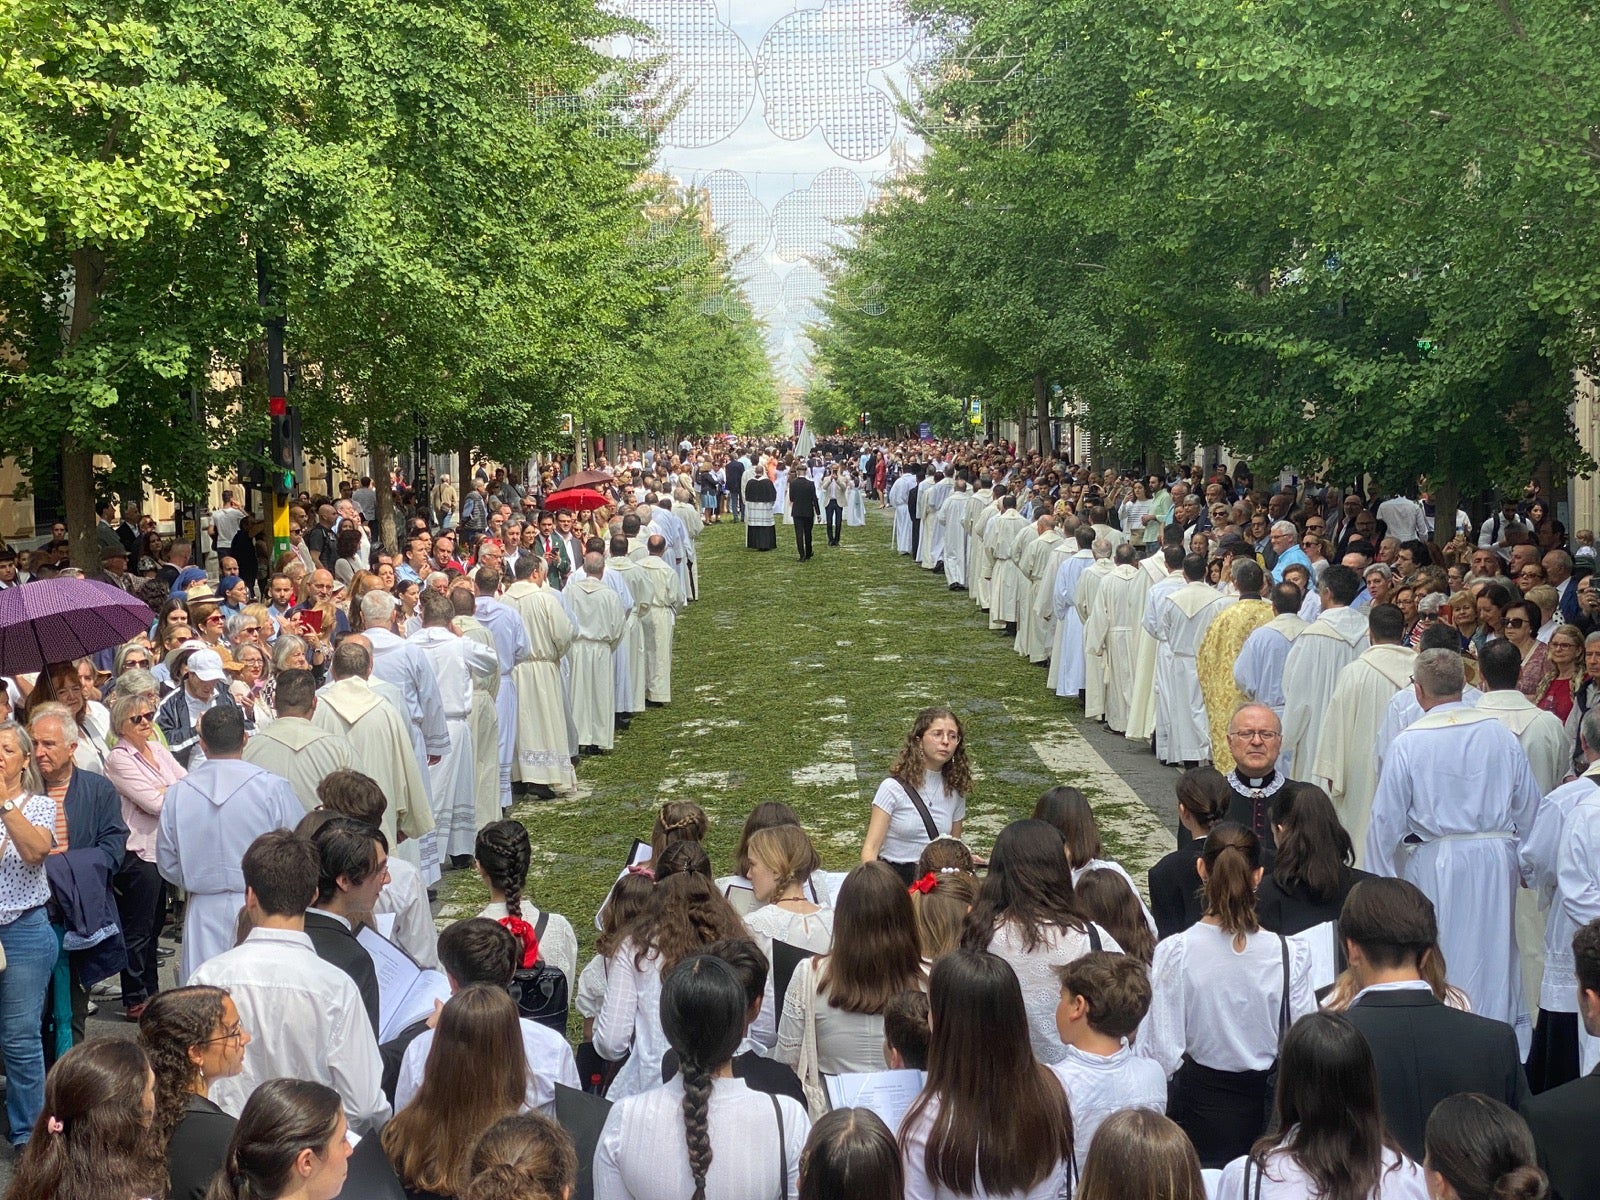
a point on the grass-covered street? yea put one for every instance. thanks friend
(798, 681)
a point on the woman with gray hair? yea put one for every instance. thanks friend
(289, 653)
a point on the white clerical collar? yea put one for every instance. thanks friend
(1396, 985)
(1268, 783)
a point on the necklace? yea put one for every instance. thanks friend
(791, 900)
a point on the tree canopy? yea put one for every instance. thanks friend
(1343, 236)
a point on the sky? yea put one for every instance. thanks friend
(788, 122)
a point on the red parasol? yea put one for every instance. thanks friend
(576, 499)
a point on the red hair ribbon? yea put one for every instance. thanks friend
(641, 869)
(926, 884)
(525, 935)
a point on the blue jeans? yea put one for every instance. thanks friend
(31, 948)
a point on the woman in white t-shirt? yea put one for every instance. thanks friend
(1330, 1142)
(1026, 914)
(932, 766)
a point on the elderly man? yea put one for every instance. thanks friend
(403, 665)
(293, 748)
(179, 716)
(89, 826)
(208, 820)
(1456, 803)
(1254, 737)
(1285, 541)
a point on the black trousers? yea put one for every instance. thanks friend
(141, 906)
(916, 536)
(802, 535)
(1223, 1112)
(835, 515)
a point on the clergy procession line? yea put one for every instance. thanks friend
(1274, 1022)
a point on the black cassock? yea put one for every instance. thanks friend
(760, 495)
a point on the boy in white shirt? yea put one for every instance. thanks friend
(1104, 996)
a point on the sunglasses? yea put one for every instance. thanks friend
(1516, 623)
(136, 664)
(142, 718)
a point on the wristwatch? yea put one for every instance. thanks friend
(11, 805)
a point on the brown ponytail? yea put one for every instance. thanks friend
(1232, 857)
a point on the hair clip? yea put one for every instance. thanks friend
(54, 1125)
(641, 869)
(926, 884)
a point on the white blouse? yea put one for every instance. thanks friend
(809, 931)
(914, 1153)
(1036, 972)
(907, 835)
(591, 993)
(1284, 1179)
(642, 1154)
(1219, 1005)
(630, 1020)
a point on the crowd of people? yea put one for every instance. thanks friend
(1323, 995)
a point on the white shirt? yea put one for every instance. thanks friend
(907, 835)
(1285, 1179)
(558, 946)
(1098, 1085)
(846, 1041)
(306, 1021)
(642, 1154)
(549, 1057)
(630, 1021)
(406, 896)
(591, 994)
(1222, 1006)
(777, 922)
(914, 1153)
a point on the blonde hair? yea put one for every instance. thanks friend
(787, 852)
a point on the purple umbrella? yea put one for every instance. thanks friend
(59, 620)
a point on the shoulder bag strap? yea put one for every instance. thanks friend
(1283, 1007)
(1094, 936)
(783, 1151)
(922, 810)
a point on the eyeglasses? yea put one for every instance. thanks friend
(228, 1034)
(1515, 623)
(214, 619)
(142, 718)
(134, 664)
(1256, 735)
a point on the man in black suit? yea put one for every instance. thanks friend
(804, 509)
(1425, 1050)
(354, 868)
(1564, 1119)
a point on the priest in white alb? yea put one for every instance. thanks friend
(543, 759)
(1094, 665)
(1345, 766)
(982, 502)
(455, 660)
(1110, 632)
(1033, 640)
(1045, 563)
(660, 619)
(1005, 602)
(294, 748)
(1070, 665)
(1311, 671)
(381, 738)
(1142, 689)
(601, 623)
(899, 495)
(953, 526)
(1455, 804)
(1183, 735)
(933, 528)
(485, 719)
(630, 690)
(981, 554)
(511, 647)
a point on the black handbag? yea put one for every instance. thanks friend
(541, 990)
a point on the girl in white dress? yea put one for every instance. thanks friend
(855, 500)
(1329, 1141)
(705, 1135)
(956, 1139)
(686, 912)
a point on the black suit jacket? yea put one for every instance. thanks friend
(1564, 1121)
(1427, 1051)
(335, 943)
(803, 504)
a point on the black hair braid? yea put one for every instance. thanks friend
(504, 853)
(696, 1104)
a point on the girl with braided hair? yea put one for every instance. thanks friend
(782, 860)
(503, 853)
(705, 1135)
(686, 913)
(678, 821)
(193, 1035)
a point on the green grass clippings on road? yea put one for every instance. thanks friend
(797, 682)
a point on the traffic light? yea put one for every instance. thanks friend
(285, 450)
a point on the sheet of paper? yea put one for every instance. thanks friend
(385, 923)
(887, 1093)
(640, 853)
(397, 975)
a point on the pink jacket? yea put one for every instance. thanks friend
(142, 788)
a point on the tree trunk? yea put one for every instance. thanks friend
(463, 472)
(1446, 499)
(1041, 412)
(77, 462)
(384, 486)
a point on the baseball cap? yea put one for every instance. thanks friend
(207, 665)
